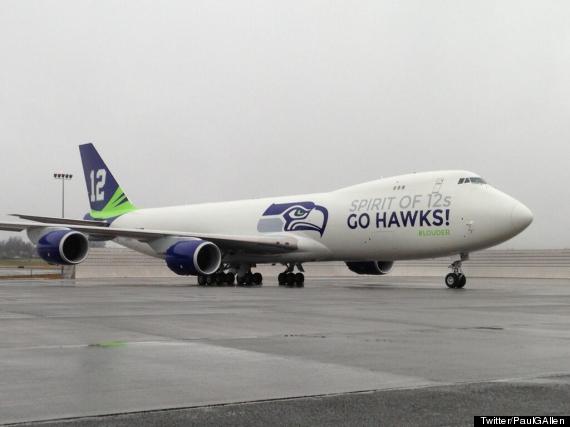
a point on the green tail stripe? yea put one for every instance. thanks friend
(116, 206)
(118, 194)
(113, 213)
(121, 200)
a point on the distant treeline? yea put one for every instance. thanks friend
(15, 247)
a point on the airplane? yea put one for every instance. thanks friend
(368, 226)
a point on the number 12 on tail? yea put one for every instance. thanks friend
(97, 179)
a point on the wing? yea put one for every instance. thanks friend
(273, 243)
(65, 221)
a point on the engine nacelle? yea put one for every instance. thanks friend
(193, 257)
(370, 267)
(63, 247)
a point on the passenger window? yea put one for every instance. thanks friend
(461, 180)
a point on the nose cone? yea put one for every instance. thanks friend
(521, 217)
(494, 217)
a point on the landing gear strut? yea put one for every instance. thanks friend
(245, 277)
(456, 279)
(290, 279)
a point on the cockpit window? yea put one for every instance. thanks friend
(477, 180)
(472, 180)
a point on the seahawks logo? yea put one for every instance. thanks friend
(300, 216)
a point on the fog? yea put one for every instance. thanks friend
(215, 100)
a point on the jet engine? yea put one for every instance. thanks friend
(370, 267)
(63, 247)
(193, 257)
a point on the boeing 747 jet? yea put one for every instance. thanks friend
(368, 226)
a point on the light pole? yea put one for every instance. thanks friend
(63, 177)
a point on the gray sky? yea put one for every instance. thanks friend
(215, 100)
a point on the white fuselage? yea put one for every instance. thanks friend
(420, 215)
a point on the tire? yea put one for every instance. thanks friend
(300, 280)
(461, 281)
(290, 280)
(221, 279)
(281, 279)
(201, 280)
(451, 280)
(257, 279)
(229, 279)
(248, 279)
(210, 280)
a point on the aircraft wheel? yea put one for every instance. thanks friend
(217, 279)
(282, 279)
(257, 279)
(461, 282)
(230, 277)
(451, 280)
(300, 280)
(248, 279)
(210, 280)
(290, 280)
(201, 280)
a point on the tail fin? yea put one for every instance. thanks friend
(107, 199)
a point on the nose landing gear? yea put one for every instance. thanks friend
(456, 279)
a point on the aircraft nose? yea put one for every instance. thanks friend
(521, 217)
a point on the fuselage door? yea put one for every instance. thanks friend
(469, 225)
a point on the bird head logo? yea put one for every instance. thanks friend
(299, 216)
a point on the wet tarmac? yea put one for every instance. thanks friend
(360, 350)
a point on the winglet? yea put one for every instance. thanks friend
(106, 197)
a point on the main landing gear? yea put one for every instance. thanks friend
(242, 276)
(290, 279)
(456, 279)
(250, 279)
(216, 279)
